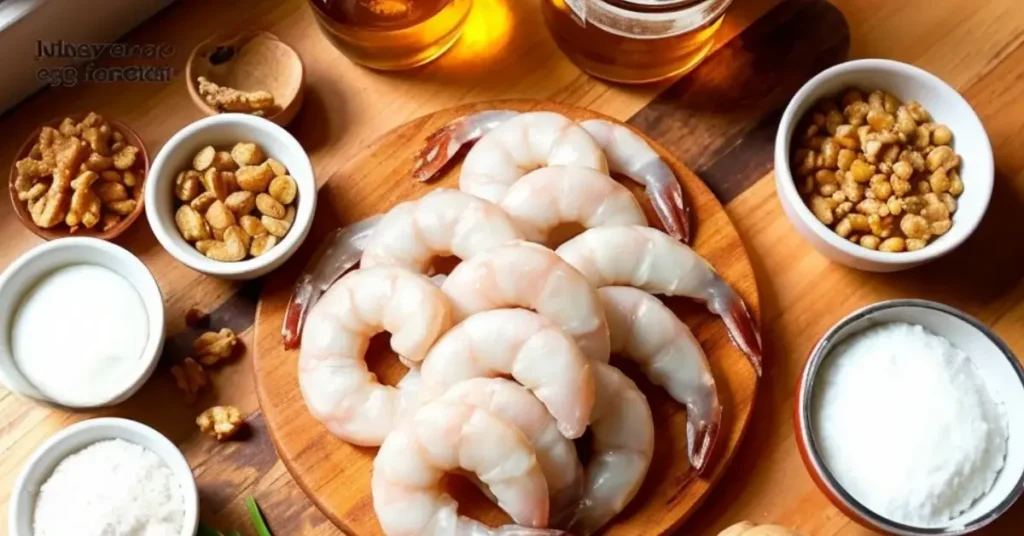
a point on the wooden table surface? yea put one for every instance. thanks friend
(720, 121)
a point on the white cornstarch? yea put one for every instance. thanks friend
(905, 423)
(110, 488)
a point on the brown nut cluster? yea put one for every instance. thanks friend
(211, 348)
(83, 174)
(227, 99)
(878, 172)
(234, 204)
(190, 378)
(220, 422)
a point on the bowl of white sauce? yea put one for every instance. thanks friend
(908, 417)
(105, 476)
(82, 323)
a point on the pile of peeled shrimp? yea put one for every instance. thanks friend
(509, 355)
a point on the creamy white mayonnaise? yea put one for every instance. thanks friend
(78, 335)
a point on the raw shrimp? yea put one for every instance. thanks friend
(446, 436)
(441, 223)
(631, 156)
(521, 274)
(338, 253)
(336, 384)
(514, 404)
(651, 260)
(548, 197)
(509, 149)
(623, 444)
(524, 345)
(646, 331)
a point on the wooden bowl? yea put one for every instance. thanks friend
(250, 61)
(61, 230)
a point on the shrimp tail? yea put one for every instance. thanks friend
(444, 143)
(743, 330)
(701, 436)
(338, 253)
(671, 207)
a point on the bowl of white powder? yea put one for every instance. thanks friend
(105, 476)
(908, 418)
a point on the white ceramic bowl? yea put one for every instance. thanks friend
(907, 83)
(224, 131)
(78, 436)
(31, 266)
(994, 361)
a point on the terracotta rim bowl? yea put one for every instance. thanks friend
(997, 366)
(62, 230)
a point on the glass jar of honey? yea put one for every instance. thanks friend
(391, 34)
(634, 41)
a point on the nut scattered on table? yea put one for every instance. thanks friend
(234, 204)
(214, 346)
(190, 378)
(220, 422)
(82, 174)
(878, 172)
(226, 99)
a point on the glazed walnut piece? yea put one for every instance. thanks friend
(220, 422)
(878, 172)
(214, 346)
(226, 99)
(190, 378)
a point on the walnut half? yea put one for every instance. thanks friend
(220, 422)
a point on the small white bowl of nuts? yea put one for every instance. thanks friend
(882, 166)
(231, 196)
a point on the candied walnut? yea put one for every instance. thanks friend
(949, 201)
(202, 202)
(213, 346)
(34, 192)
(204, 158)
(869, 206)
(241, 202)
(220, 422)
(84, 180)
(99, 140)
(847, 137)
(98, 162)
(269, 206)
(85, 208)
(844, 208)
(861, 171)
(123, 208)
(111, 191)
(852, 190)
(252, 225)
(284, 189)
(845, 159)
(256, 179)
(939, 181)
(903, 170)
(190, 224)
(900, 187)
(262, 243)
(894, 205)
(219, 216)
(190, 378)
(918, 112)
(129, 178)
(32, 169)
(277, 167)
(826, 190)
(941, 135)
(956, 185)
(112, 176)
(214, 183)
(69, 128)
(880, 120)
(941, 157)
(905, 123)
(50, 209)
(829, 154)
(226, 99)
(125, 158)
(222, 161)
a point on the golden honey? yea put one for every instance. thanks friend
(634, 41)
(391, 34)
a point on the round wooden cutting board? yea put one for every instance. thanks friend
(336, 475)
